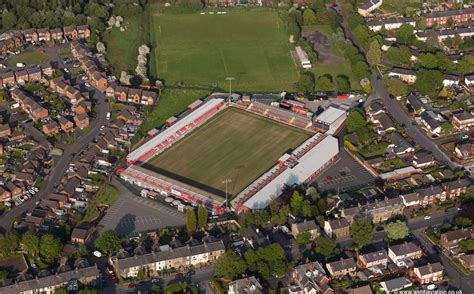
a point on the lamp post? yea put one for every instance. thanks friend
(226, 182)
(230, 79)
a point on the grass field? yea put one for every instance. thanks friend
(248, 44)
(29, 58)
(233, 145)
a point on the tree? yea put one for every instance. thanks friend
(31, 243)
(296, 203)
(202, 217)
(355, 121)
(467, 245)
(303, 238)
(405, 34)
(8, 19)
(322, 207)
(428, 60)
(324, 83)
(374, 54)
(3, 274)
(100, 47)
(428, 82)
(191, 221)
(360, 69)
(463, 222)
(8, 243)
(306, 209)
(446, 128)
(325, 246)
(395, 87)
(397, 230)
(50, 247)
(267, 261)
(309, 17)
(343, 83)
(306, 82)
(361, 231)
(142, 274)
(398, 55)
(108, 243)
(468, 196)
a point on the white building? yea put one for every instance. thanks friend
(390, 23)
(469, 80)
(302, 57)
(331, 120)
(450, 80)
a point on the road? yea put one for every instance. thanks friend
(395, 108)
(61, 165)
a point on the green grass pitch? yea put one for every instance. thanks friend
(250, 45)
(233, 145)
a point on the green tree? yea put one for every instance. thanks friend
(309, 17)
(306, 209)
(230, 265)
(362, 34)
(31, 243)
(325, 246)
(267, 261)
(355, 121)
(108, 243)
(8, 243)
(446, 128)
(396, 230)
(374, 54)
(296, 203)
(463, 222)
(202, 217)
(303, 238)
(305, 82)
(360, 69)
(405, 34)
(50, 247)
(324, 83)
(428, 82)
(191, 221)
(322, 206)
(467, 245)
(343, 83)
(428, 60)
(398, 55)
(361, 232)
(8, 19)
(395, 87)
(468, 196)
(3, 274)
(142, 274)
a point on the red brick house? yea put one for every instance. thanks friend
(441, 18)
(7, 78)
(30, 35)
(455, 188)
(134, 95)
(34, 73)
(22, 75)
(98, 80)
(463, 120)
(83, 32)
(44, 35)
(50, 129)
(81, 120)
(5, 130)
(121, 93)
(149, 97)
(57, 34)
(427, 274)
(66, 125)
(450, 240)
(70, 32)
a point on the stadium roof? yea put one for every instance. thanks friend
(307, 165)
(330, 115)
(171, 131)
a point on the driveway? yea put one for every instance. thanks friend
(57, 172)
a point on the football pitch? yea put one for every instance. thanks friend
(250, 45)
(233, 145)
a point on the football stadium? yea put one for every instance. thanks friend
(243, 151)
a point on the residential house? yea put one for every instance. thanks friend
(248, 285)
(402, 254)
(384, 123)
(7, 78)
(81, 121)
(464, 151)
(342, 267)
(337, 228)
(463, 120)
(82, 107)
(390, 24)
(44, 35)
(34, 110)
(47, 69)
(410, 199)
(70, 32)
(83, 32)
(308, 278)
(423, 159)
(5, 130)
(431, 121)
(56, 34)
(469, 80)
(431, 194)
(81, 233)
(34, 73)
(374, 259)
(398, 145)
(22, 76)
(450, 80)
(14, 190)
(467, 260)
(148, 97)
(121, 93)
(61, 199)
(306, 226)
(98, 80)
(170, 258)
(455, 188)
(50, 129)
(369, 6)
(66, 125)
(451, 240)
(395, 285)
(441, 18)
(378, 211)
(254, 237)
(5, 194)
(427, 274)
(374, 109)
(406, 75)
(26, 178)
(134, 95)
(30, 35)
(360, 290)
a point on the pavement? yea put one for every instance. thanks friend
(132, 214)
(57, 172)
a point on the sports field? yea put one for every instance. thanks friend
(250, 45)
(233, 145)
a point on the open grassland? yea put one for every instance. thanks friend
(30, 58)
(250, 45)
(233, 145)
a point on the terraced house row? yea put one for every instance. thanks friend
(34, 73)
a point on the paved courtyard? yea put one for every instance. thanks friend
(132, 214)
(346, 174)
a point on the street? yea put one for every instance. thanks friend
(61, 165)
